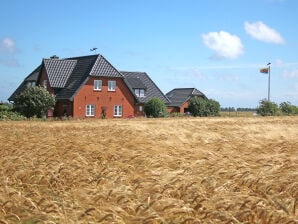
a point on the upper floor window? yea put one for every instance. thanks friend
(97, 84)
(111, 85)
(45, 83)
(90, 110)
(140, 92)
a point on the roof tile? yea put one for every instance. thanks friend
(151, 90)
(103, 68)
(59, 71)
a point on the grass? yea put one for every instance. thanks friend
(238, 113)
(175, 170)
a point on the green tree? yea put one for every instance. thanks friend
(199, 106)
(267, 108)
(34, 101)
(155, 108)
(213, 107)
(287, 108)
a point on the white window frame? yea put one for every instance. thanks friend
(111, 85)
(140, 92)
(97, 85)
(118, 110)
(90, 110)
(29, 84)
(45, 83)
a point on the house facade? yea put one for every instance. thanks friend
(90, 86)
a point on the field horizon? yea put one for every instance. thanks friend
(172, 170)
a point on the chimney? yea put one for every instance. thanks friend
(54, 57)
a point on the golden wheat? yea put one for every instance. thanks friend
(186, 170)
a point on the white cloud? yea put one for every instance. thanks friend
(224, 44)
(262, 32)
(279, 62)
(7, 45)
(8, 50)
(290, 74)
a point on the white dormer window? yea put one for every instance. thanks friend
(140, 92)
(29, 84)
(111, 85)
(97, 84)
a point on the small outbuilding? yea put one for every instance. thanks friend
(180, 97)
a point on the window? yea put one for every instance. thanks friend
(118, 111)
(111, 85)
(90, 110)
(29, 84)
(140, 108)
(97, 84)
(140, 92)
(45, 83)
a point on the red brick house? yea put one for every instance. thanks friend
(180, 97)
(89, 86)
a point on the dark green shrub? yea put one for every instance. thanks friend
(288, 108)
(10, 116)
(213, 107)
(34, 101)
(155, 108)
(199, 106)
(267, 108)
(4, 107)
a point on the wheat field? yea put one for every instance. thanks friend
(174, 170)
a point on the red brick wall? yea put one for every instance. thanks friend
(173, 109)
(63, 108)
(137, 112)
(103, 98)
(185, 105)
(177, 109)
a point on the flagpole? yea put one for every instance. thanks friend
(269, 82)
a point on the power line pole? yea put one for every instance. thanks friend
(269, 81)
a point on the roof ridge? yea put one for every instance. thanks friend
(101, 61)
(85, 56)
(131, 71)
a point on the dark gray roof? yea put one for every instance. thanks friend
(78, 76)
(32, 77)
(136, 83)
(180, 95)
(73, 76)
(59, 71)
(66, 76)
(139, 80)
(103, 68)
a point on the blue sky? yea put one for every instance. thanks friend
(215, 46)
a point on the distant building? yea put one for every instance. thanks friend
(180, 97)
(90, 86)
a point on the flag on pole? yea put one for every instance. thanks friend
(264, 70)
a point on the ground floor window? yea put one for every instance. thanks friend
(90, 110)
(118, 111)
